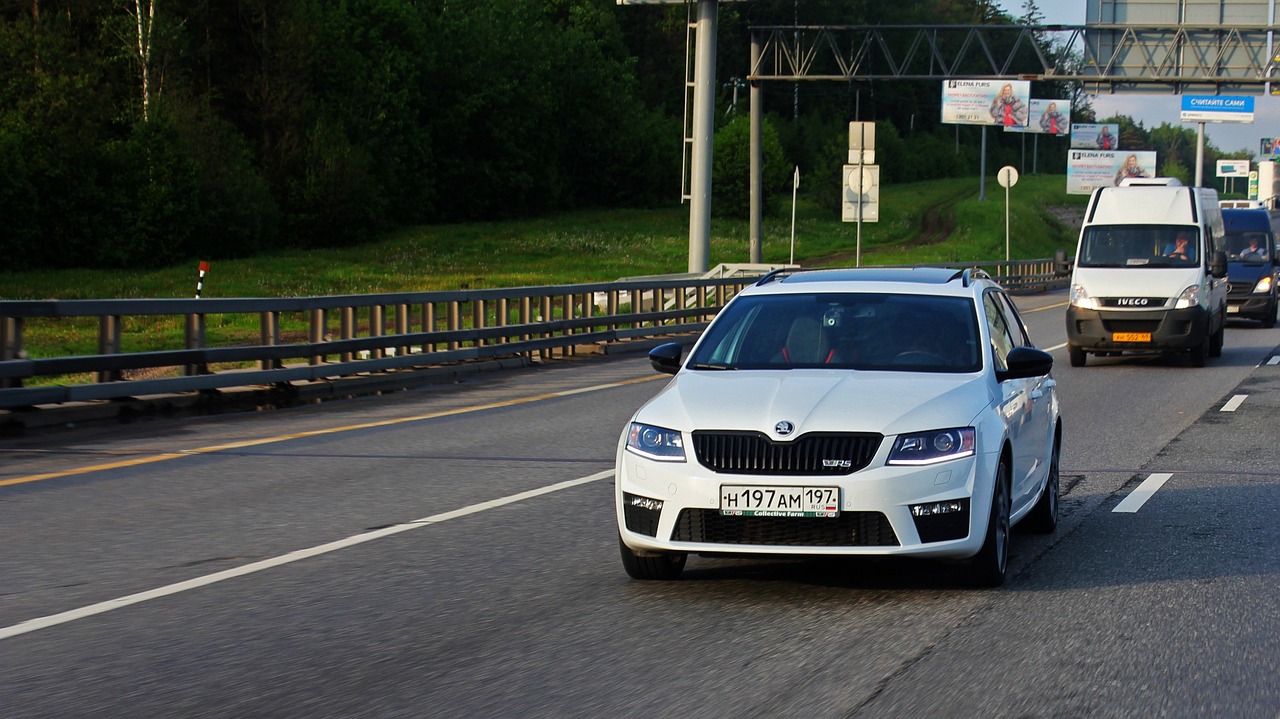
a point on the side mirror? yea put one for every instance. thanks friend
(1218, 268)
(1026, 362)
(1061, 265)
(666, 358)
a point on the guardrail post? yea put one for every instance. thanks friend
(428, 324)
(402, 326)
(347, 329)
(10, 346)
(195, 337)
(479, 313)
(548, 308)
(453, 322)
(108, 344)
(377, 321)
(316, 335)
(269, 334)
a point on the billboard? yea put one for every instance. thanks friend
(1048, 117)
(1088, 170)
(1086, 136)
(1233, 168)
(986, 102)
(1269, 147)
(1216, 108)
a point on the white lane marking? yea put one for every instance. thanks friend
(1234, 403)
(1139, 496)
(1274, 360)
(1055, 347)
(32, 625)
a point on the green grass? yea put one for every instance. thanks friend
(599, 245)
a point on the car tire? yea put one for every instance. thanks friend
(990, 565)
(1200, 352)
(1269, 320)
(1217, 339)
(1043, 518)
(663, 567)
(1076, 354)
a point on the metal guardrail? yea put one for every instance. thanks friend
(319, 338)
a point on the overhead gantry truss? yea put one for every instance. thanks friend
(1218, 59)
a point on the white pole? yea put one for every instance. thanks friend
(795, 185)
(857, 262)
(1006, 223)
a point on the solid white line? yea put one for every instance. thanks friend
(1274, 360)
(32, 625)
(1234, 403)
(1055, 347)
(1139, 496)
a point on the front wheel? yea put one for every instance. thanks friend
(1269, 320)
(991, 563)
(1076, 354)
(1217, 339)
(1199, 353)
(1043, 518)
(663, 567)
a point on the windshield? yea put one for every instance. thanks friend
(1243, 245)
(1140, 246)
(861, 331)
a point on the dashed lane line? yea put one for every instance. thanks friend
(1139, 496)
(1234, 403)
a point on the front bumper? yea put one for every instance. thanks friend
(875, 510)
(1170, 330)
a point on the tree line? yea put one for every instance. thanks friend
(149, 132)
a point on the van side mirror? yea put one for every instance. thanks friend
(1218, 268)
(1061, 265)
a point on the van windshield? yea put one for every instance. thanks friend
(1139, 246)
(1243, 246)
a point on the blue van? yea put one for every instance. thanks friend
(1252, 264)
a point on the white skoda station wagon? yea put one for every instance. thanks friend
(845, 412)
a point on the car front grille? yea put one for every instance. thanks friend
(850, 529)
(818, 453)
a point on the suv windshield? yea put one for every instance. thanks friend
(862, 331)
(1139, 246)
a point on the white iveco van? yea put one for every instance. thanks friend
(1149, 273)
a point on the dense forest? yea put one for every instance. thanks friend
(141, 132)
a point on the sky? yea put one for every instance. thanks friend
(1154, 108)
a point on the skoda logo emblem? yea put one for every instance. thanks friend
(784, 428)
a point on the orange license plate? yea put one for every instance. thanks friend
(1131, 337)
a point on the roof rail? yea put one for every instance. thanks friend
(969, 274)
(778, 273)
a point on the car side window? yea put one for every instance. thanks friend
(1017, 328)
(1002, 337)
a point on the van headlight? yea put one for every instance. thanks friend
(1263, 287)
(664, 445)
(1190, 297)
(1080, 298)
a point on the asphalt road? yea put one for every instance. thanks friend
(451, 552)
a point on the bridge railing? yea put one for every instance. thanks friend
(244, 342)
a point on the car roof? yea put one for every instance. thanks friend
(912, 280)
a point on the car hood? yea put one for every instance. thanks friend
(819, 401)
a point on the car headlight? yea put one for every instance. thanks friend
(1190, 297)
(940, 445)
(1080, 298)
(664, 445)
(1263, 287)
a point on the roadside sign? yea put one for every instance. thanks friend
(1233, 168)
(1216, 108)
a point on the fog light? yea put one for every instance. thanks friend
(653, 505)
(936, 508)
